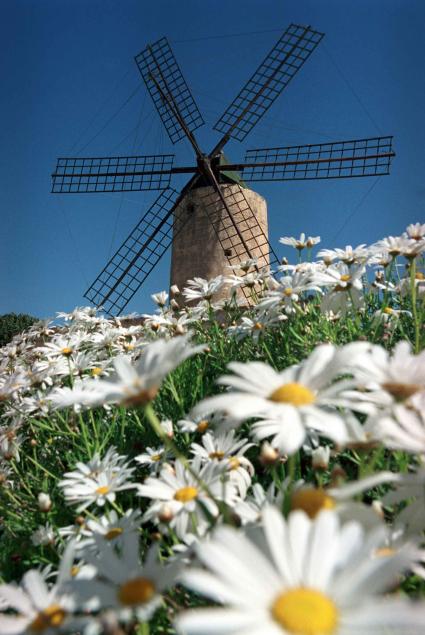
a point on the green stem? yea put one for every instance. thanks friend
(414, 307)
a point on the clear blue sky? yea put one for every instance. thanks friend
(67, 67)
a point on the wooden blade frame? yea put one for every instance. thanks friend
(112, 174)
(134, 260)
(340, 159)
(272, 76)
(159, 67)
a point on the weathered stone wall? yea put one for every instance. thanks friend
(196, 249)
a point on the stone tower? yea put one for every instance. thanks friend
(205, 240)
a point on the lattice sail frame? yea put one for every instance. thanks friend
(112, 174)
(158, 60)
(136, 257)
(271, 77)
(339, 159)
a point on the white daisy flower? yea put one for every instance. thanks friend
(135, 384)
(301, 242)
(416, 231)
(250, 509)
(350, 256)
(98, 481)
(403, 428)
(44, 535)
(180, 499)
(288, 290)
(201, 289)
(154, 458)
(390, 377)
(123, 583)
(160, 298)
(345, 288)
(310, 578)
(290, 402)
(111, 528)
(227, 451)
(38, 608)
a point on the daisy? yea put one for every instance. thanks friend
(345, 288)
(228, 452)
(309, 578)
(201, 289)
(44, 535)
(288, 290)
(111, 528)
(160, 298)
(137, 384)
(390, 377)
(180, 499)
(350, 256)
(394, 245)
(403, 428)
(98, 481)
(301, 242)
(154, 458)
(389, 317)
(416, 231)
(291, 401)
(38, 608)
(250, 509)
(123, 583)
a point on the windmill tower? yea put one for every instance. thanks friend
(215, 219)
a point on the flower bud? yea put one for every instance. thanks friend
(268, 454)
(174, 290)
(44, 502)
(320, 458)
(165, 514)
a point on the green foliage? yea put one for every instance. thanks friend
(13, 323)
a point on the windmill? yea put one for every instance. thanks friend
(215, 219)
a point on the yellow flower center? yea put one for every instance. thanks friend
(216, 455)
(74, 570)
(67, 351)
(345, 277)
(384, 552)
(202, 426)
(186, 494)
(156, 458)
(388, 310)
(294, 394)
(104, 489)
(288, 292)
(258, 326)
(113, 533)
(136, 591)
(304, 611)
(51, 617)
(96, 371)
(234, 463)
(419, 275)
(311, 501)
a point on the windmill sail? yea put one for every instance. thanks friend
(271, 77)
(112, 174)
(134, 260)
(162, 74)
(340, 159)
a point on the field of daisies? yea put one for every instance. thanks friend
(235, 467)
